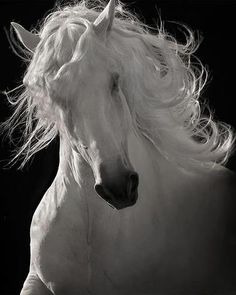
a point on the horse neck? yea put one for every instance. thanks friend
(147, 159)
(72, 166)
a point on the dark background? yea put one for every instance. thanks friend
(22, 190)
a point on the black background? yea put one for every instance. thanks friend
(22, 190)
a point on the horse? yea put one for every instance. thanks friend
(142, 202)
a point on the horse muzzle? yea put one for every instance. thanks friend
(119, 191)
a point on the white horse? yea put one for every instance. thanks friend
(125, 102)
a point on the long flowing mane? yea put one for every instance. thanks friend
(162, 81)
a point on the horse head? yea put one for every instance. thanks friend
(95, 113)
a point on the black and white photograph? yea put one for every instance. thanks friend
(118, 147)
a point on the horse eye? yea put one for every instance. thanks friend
(114, 82)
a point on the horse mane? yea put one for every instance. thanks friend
(162, 83)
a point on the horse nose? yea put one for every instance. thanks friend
(132, 186)
(120, 195)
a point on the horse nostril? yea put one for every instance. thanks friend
(99, 190)
(121, 194)
(103, 192)
(132, 185)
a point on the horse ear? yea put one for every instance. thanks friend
(103, 23)
(29, 40)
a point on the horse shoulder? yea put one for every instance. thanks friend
(224, 181)
(220, 182)
(217, 187)
(214, 191)
(220, 186)
(228, 181)
(227, 189)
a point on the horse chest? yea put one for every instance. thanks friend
(116, 251)
(146, 257)
(82, 248)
